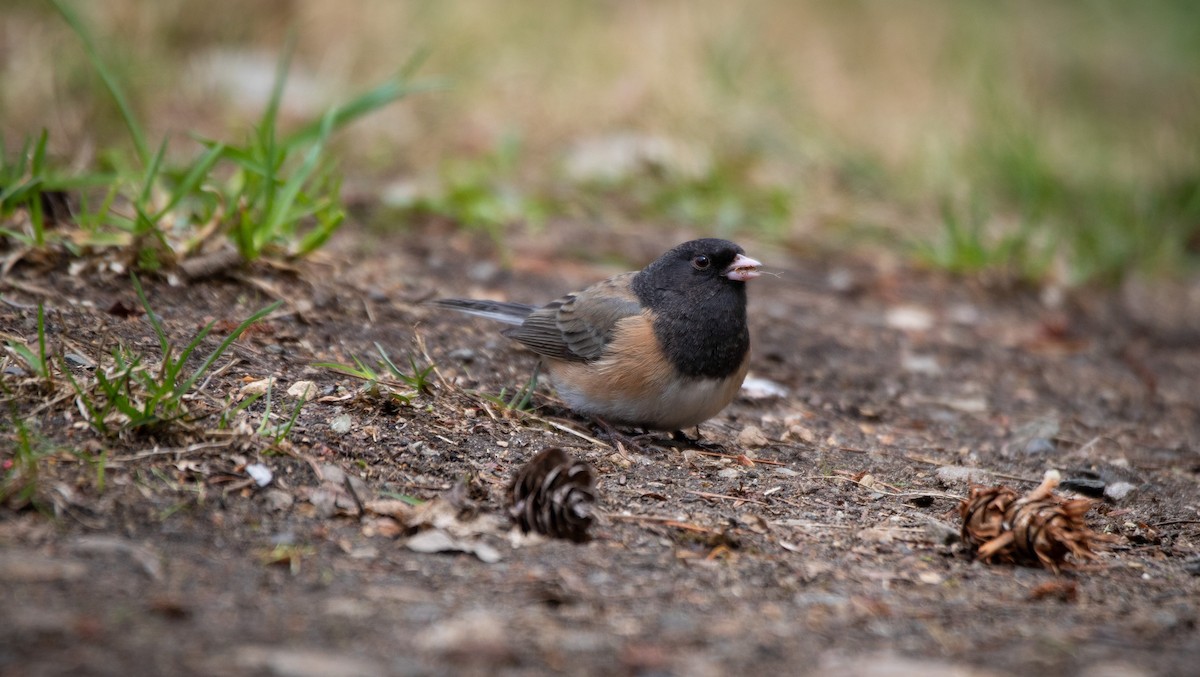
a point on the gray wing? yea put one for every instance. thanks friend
(577, 326)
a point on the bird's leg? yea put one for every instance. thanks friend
(617, 438)
(681, 438)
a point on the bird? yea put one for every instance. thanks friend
(660, 349)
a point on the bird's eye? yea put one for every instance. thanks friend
(701, 262)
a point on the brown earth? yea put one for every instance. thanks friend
(821, 540)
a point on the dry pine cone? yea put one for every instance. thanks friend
(553, 495)
(1037, 528)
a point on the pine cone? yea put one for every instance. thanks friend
(1037, 528)
(553, 495)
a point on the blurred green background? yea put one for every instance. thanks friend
(1047, 141)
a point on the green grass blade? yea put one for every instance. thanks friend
(191, 181)
(152, 174)
(364, 104)
(164, 343)
(220, 350)
(110, 81)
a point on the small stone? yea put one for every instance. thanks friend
(754, 388)
(340, 424)
(920, 364)
(306, 390)
(930, 578)
(955, 474)
(800, 432)
(909, 318)
(842, 281)
(258, 387)
(1118, 490)
(940, 532)
(424, 448)
(260, 473)
(462, 354)
(752, 436)
(729, 473)
(77, 360)
(278, 500)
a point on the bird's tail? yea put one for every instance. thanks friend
(501, 311)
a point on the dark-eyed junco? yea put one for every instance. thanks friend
(663, 349)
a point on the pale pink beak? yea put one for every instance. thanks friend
(743, 268)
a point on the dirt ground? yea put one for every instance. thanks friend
(821, 540)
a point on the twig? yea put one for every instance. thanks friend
(939, 464)
(810, 525)
(217, 373)
(566, 429)
(211, 264)
(897, 493)
(738, 499)
(732, 457)
(420, 339)
(190, 449)
(688, 526)
(362, 511)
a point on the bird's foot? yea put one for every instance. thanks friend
(681, 439)
(620, 440)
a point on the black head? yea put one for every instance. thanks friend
(697, 268)
(698, 294)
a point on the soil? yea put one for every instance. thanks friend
(818, 535)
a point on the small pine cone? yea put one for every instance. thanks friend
(983, 513)
(553, 495)
(1036, 528)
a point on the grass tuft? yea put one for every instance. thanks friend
(132, 394)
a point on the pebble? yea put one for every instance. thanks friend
(278, 500)
(920, 364)
(303, 389)
(340, 424)
(258, 387)
(1118, 490)
(752, 436)
(77, 360)
(260, 473)
(909, 318)
(754, 388)
(462, 354)
(954, 474)
(1039, 446)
